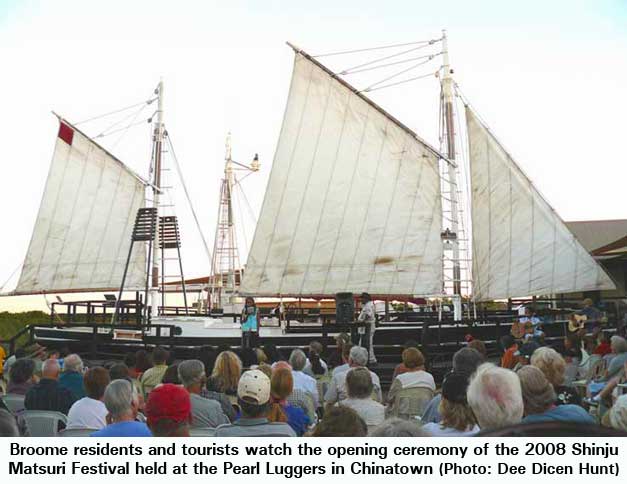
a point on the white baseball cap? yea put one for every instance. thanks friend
(254, 386)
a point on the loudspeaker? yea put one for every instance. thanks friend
(344, 307)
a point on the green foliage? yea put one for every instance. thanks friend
(11, 323)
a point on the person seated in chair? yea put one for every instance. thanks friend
(48, 394)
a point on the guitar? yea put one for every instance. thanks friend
(521, 328)
(577, 322)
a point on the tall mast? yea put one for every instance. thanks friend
(156, 189)
(448, 114)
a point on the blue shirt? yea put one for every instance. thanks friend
(250, 323)
(561, 413)
(73, 381)
(124, 429)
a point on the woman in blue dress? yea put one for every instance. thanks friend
(250, 324)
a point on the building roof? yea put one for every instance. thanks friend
(601, 236)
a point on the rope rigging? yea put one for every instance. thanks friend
(143, 103)
(370, 87)
(390, 46)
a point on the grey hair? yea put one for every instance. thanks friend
(8, 426)
(467, 360)
(537, 391)
(359, 355)
(297, 360)
(191, 372)
(119, 397)
(495, 396)
(49, 366)
(73, 362)
(397, 427)
(618, 344)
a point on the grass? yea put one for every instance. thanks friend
(11, 323)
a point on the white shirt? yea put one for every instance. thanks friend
(337, 388)
(367, 314)
(306, 383)
(416, 379)
(342, 368)
(87, 413)
(373, 413)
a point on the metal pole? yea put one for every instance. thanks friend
(451, 171)
(157, 251)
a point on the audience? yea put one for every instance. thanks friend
(302, 381)
(90, 411)
(48, 394)
(253, 392)
(415, 383)
(616, 417)
(495, 397)
(458, 419)
(337, 388)
(539, 400)
(225, 375)
(8, 425)
(359, 388)
(122, 403)
(336, 359)
(281, 386)
(143, 362)
(72, 376)
(152, 377)
(345, 356)
(119, 371)
(398, 427)
(341, 422)
(619, 349)
(21, 376)
(477, 344)
(171, 375)
(553, 365)
(509, 346)
(401, 368)
(169, 409)
(205, 412)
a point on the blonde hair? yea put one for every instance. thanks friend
(227, 370)
(551, 363)
(458, 416)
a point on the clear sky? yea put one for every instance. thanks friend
(548, 77)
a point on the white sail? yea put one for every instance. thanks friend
(521, 247)
(83, 230)
(353, 200)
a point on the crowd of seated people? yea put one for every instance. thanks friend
(313, 392)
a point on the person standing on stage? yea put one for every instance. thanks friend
(367, 315)
(250, 324)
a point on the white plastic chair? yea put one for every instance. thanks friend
(14, 402)
(43, 423)
(76, 432)
(202, 432)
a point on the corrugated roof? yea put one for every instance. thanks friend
(594, 234)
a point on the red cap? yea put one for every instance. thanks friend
(169, 402)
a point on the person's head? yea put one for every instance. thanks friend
(8, 425)
(248, 357)
(341, 421)
(603, 337)
(477, 344)
(171, 375)
(467, 360)
(281, 383)
(249, 302)
(571, 342)
(227, 371)
(495, 396)
(95, 382)
(272, 353)
(341, 339)
(316, 347)
(261, 356)
(358, 356)
(551, 363)
(618, 344)
(587, 302)
(54, 354)
(191, 373)
(22, 371)
(130, 360)
(298, 360)
(142, 361)
(121, 401)
(413, 359)
(316, 364)
(359, 383)
(118, 371)
(20, 353)
(365, 297)
(265, 368)
(50, 369)
(398, 427)
(507, 341)
(617, 415)
(160, 355)
(537, 391)
(253, 394)
(525, 352)
(73, 363)
(454, 408)
(169, 410)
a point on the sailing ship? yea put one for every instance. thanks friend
(356, 202)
